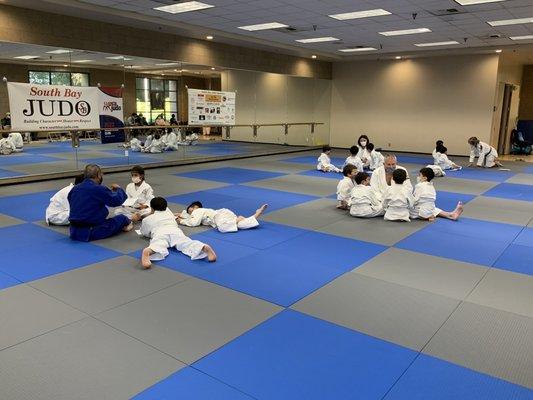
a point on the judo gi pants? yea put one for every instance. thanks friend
(226, 221)
(108, 228)
(160, 244)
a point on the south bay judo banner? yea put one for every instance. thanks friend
(49, 107)
(209, 107)
(111, 112)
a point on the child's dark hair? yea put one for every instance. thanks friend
(439, 143)
(5, 135)
(79, 179)
(360, 177)
(428, 173)
(157, 136)
(138, 170)
(370, 146)
(348, 169)
(326, 148)
(158, 204)
(399, 176)
(441, 149)
(354, 150)
(195, 204)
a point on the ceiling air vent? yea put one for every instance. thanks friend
(296, 29)
(447, 11)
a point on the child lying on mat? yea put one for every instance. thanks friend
(224, 220)
(162, 229)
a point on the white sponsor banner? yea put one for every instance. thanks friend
(48, 107)
(209, 107)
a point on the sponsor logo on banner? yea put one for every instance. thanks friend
(209, 107)
(48, 107)
(111, 114)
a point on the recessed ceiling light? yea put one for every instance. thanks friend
(436, 44)
(119, 58)
(405, 32)
(318, 39)
(498, 51)
(261, 27)
(357, 49)
(59, 51)
(360, 14)
(65, 65)
(184, 7)
(167, 64)
(26, 57)
(209, 37)
(472, 2)
(526, 37)
(82, 61)
(511, 21)
(313, 56)
(398, 57)
(212, 68)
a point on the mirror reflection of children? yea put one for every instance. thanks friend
(425, 197)
(324, 161)
(163, 230)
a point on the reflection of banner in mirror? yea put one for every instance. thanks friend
(209, 107)
(48, 107)
(111, 114)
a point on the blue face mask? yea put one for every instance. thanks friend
(389, 170)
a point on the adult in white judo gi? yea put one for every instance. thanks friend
(486, 154)
(58, 210)
(364, 154)
(163, 230)
(223, 219)
(382, 176)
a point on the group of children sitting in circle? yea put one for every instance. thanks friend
(374, 185)
(159, 142)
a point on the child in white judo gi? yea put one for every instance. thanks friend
(438, 143)
(442, 160)
(6, 145)
(224, 220)
(135, 143)
(156, 145)
(364, 200)
(354, 159)
(58, 210)
(345, 186)
(17, 139)
(376, 158)
(425, 197)
(163, 230)
(139, 194)
(324, 162)
(486, 154)
(398, 199)
(171, 141)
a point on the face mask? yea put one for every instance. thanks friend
(418, 180)
(389, 170)
(136, 179)
(363, 143)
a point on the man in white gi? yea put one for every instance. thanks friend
(382, 176)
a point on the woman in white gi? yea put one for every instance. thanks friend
(345, 186)
(163, 230)
(139, 195)
(224, 220)
(382, 176)
(58, 210)
(364, 202)
(425, 197)
(486, 154)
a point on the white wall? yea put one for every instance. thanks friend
(407, 105)
(265, 98)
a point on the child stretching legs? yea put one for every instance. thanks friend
(425, 196)
(162, 229)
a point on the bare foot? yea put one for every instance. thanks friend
(136, 217)
(145, 259)
(457, 212)
(431, 219)
(260, 210)
(211, 255)
(128, 228)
